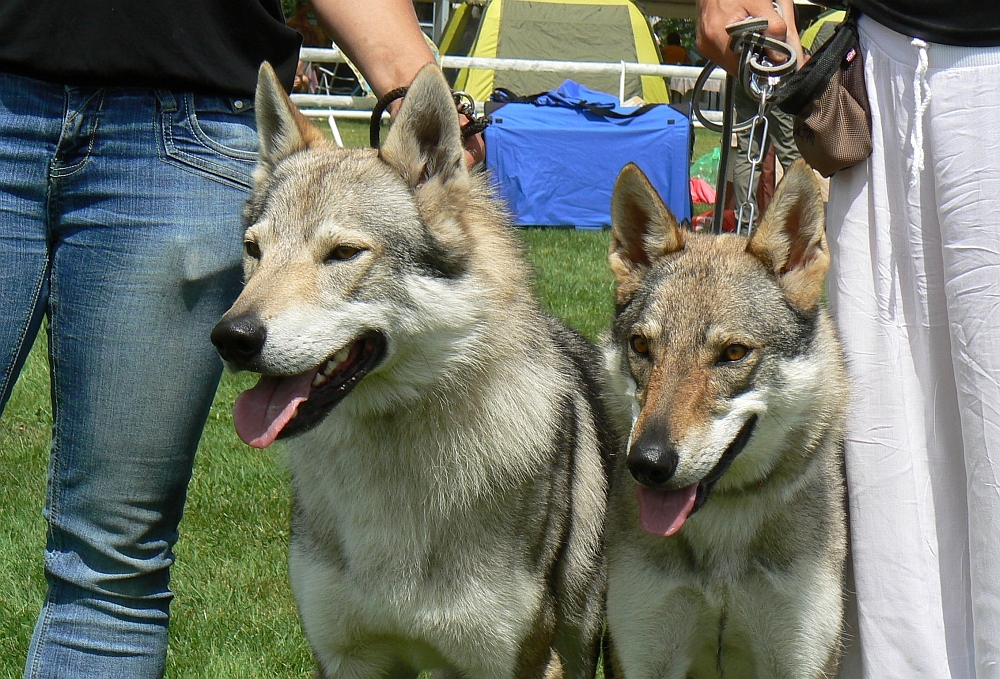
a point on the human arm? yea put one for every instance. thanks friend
(382, 37)
(384, 40)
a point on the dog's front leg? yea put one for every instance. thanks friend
(659, 630)
(577, 651)
(363, 664)
(792, 623)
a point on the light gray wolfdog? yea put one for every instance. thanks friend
(448, 442)
(726, 528)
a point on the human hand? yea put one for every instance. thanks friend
(715, 15)
(475, 147)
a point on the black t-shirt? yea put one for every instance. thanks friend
(209, 46)
(970, 23)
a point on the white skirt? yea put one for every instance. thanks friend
(915, 288)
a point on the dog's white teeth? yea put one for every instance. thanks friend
(331, 366)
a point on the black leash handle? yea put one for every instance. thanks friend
(375, 124)
(463, 103)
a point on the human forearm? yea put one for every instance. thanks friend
(382, 37)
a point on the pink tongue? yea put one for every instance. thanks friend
(260, 414)
(664, 512)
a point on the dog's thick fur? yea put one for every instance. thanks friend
(448, 510)
(727, 347)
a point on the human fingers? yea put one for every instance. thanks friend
(475, 149)
(715, 15)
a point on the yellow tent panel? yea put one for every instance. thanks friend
(453, 31)
(561, 30)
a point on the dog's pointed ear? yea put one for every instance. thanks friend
(282, 129)
(642, 226)
(791, 239)
(425, 142)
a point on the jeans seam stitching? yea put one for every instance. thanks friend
(186, 161)
(70, 170)
(57, 463)
(202, 137)
(9, 380)
(42, 632)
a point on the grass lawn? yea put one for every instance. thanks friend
(233, 616)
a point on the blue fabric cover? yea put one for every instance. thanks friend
(556, 163)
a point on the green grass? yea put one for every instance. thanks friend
(24, 437)
(354, 133)
(233, 616)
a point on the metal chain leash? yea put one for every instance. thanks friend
(759, 127)
(466, 106)
(759, 77)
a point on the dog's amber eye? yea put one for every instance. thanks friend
(342, 252)
(732, 353)
(252, 249)
(640, 344)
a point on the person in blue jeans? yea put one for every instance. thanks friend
(127, 143)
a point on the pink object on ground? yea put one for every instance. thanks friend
(702, 191)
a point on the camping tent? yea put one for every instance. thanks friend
(561, 30)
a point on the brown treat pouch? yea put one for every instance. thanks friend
(828, 98)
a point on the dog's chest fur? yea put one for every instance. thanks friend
(410, 523)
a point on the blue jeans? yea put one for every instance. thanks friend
(120, 219)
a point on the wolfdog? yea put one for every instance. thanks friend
(726, 528)
(448, 441)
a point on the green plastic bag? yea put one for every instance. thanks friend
(707, 167)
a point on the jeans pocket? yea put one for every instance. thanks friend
(211, 136)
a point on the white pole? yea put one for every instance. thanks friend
(621, 86)
(334, 101)
(332, 122)
(340, 114)
(715, 116)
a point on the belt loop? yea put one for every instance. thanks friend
(168, 104)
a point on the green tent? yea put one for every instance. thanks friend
(559, 30)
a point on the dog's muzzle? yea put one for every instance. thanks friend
(239, 340)
(652, 459)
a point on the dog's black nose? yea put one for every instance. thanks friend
(652, 460)
(240, 339)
